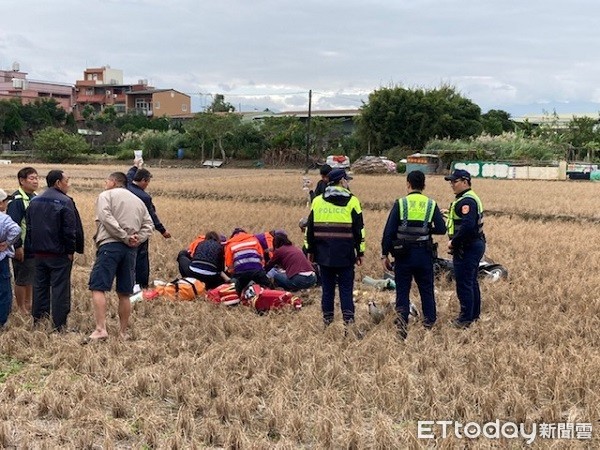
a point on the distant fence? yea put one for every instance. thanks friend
(491, 169)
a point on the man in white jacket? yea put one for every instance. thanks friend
(123, 223)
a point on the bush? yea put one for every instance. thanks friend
(56, 146)
(155, 144)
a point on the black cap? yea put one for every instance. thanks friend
(338, 174)
(458, 174)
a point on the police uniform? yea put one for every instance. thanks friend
(335, 236)
(465, 229)
(407, 235)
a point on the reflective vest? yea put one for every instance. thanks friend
(192, 247)
(335, 222)
(26, 199)
(243, 253)
(415, 208)
(454, 221)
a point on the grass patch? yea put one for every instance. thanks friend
(9, 367)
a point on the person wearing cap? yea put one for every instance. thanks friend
(467, 245)
(335, 240)
(23, 266)
(407, 235)
(138, 180)
(54, 234)
(9, 233)
(322, 183)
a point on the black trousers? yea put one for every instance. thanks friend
(52, 289)
(142, 265)
(210, 281)
(242, 279)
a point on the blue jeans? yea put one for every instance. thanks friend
(466, 270)
(344, 277)
(296, 283)
(5, 291)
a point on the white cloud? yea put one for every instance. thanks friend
(505, 54)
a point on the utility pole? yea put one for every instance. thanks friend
(308, 130)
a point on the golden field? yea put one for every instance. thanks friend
(196, 375)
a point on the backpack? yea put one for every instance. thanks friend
(185, 289)
(224, 294)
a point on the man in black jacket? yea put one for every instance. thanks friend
(138, 180)
(335, 239)
(54, 233)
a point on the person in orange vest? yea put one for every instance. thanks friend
(204, 260)
(244, 260)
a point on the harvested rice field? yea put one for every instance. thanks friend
(199, 375)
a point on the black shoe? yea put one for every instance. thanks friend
(428, 325)
(460, 324)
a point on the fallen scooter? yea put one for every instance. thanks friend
(488, 269)
(443, 268)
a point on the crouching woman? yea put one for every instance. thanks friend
(204, 260)
(297, 272)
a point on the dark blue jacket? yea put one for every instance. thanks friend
(393, 221)
(208, 258)
(53, 225)
(469, 230)
(146, 198)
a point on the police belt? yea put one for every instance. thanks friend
(419, 244)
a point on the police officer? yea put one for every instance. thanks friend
(335, 240)
(467, 245)
(407, 235)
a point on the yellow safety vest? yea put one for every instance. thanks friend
(453, 223)
(25, 197)
(415, 208)
(335, 222)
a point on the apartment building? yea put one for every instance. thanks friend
(103, 86)
(14, 84)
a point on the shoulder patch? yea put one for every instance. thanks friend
(465, 209)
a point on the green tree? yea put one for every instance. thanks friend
(220, 105)
(582, 130)
(495, 122)
(410, 117)
(214, 131)
(11, 122)
(325, 134)
(57, 146)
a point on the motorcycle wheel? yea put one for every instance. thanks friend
(494, 274)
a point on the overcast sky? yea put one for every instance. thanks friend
(523, 56)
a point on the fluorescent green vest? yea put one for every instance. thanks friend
(453, 223)
(413, 209)
(335, 222)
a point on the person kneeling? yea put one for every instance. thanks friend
(298, 271)
(204, 260)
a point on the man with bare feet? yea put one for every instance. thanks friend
(123, 223)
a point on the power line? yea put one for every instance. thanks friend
(230, 94)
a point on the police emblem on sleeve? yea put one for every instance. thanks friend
(465, 209)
